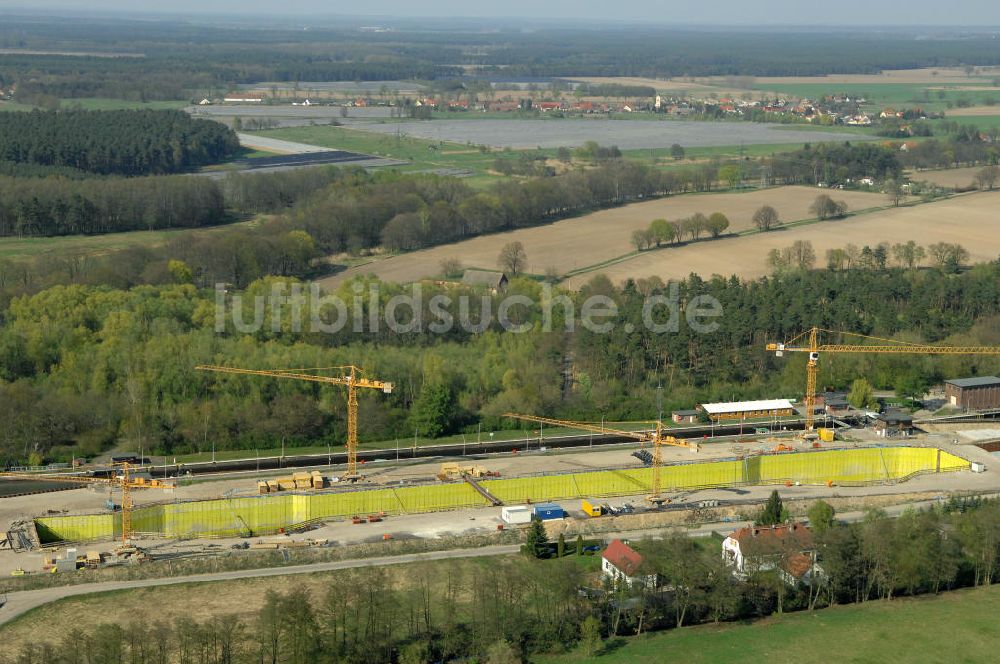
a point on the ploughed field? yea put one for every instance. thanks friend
(970, 220)
(594, 238)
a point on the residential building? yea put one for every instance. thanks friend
(622, 564)
(789, 548)
(977, 393)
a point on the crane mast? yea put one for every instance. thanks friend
(884, 346)
(350, 377)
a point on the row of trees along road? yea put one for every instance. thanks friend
(515, 608)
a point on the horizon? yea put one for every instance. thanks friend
(968, 16)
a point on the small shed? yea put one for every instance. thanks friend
(685, 416)
(893, 423)
(548, 511)
(494, 281)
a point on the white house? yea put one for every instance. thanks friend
(621, 563)
(788, 548)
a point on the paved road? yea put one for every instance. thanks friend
(23, 601)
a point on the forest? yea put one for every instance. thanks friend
(162, 60)
(129, 142)
(84, 368)
(834, 163)
(513, 609)
(33, 207)
(341, 210)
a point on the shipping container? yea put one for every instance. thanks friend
(516, 514)
(826, 435)
(546, 511)
(591, 508)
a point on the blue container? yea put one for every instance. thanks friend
(546, 511)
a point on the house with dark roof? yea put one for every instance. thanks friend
(893, 423)
(494, 281)
(833, 403)
(977, 393)
(622, 564)
(788, 548)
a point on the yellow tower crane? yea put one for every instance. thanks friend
(891, 346)
(350, 376)
(656, 437)
(122, 480)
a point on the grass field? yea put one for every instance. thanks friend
(422, 155)
(969, 220)
(603, 235)
(953, 627)
(203, 601)
(529, 432)
(947, 177)
(95, 245)
(99, 104)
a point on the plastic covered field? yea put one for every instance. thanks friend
(262, 515)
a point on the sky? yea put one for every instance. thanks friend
(817, 13)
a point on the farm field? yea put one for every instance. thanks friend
(626, 134)
(974, 111)
(903, 630)
(947, 177)
(934, 75)
(969, 220)
(603, 235)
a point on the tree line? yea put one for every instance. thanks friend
(130, 143)
(514, 609)
(662, 232)
(85, 368)
(56, 206)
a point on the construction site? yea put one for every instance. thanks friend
(714, 471)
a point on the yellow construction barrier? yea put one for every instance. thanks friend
(266, 514)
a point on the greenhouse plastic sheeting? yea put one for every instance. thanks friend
(261, 515)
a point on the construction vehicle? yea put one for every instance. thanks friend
(350, 376)
(591, 508)
(122, 479)
(891, 346)
(654, 436)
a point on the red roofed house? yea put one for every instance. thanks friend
(788, 548)
(620, 562)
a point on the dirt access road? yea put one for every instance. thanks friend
(21, 602)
